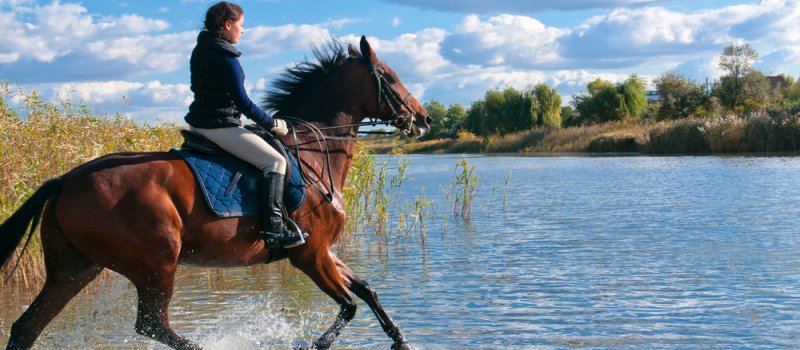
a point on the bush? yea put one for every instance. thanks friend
(683, 137)
(605, 144)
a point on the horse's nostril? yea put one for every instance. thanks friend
(428, 120)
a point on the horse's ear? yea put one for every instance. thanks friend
(366, 50)
(352, 51)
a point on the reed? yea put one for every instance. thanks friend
(41, 140)
(372, 198)
(462, 190)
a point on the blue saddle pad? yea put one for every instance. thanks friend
(230, 185)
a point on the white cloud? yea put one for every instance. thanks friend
(517, 6)
(265, 41)
(416, 55)
(147, 102)
(160, 53)
(630, 36)
(340, 23)
(396, 21)
(66, 35)
(139, 24)
(503, 40)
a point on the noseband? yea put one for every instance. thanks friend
(393, 99)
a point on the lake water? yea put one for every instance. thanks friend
(575, 252)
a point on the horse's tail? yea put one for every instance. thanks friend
(28, 215)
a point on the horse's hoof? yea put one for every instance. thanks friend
(402, 346)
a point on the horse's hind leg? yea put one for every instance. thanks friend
(154, 288)
(68, 271)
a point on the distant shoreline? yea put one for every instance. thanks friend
(760, 134)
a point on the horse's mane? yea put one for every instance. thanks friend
(296, 82)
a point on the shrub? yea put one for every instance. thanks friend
(684, 137)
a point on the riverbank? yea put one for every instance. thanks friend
(759, 133)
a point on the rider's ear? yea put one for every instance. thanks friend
(366, 50)
(353, 51)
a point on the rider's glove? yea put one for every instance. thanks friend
(280, 127)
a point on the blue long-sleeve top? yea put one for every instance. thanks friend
(218, 85)
(232, 75)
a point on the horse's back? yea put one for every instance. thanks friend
(134, 205)
(122, 206)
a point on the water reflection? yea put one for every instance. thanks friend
(599, 252)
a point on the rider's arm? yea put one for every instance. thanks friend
(233, 78)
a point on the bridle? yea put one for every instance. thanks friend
(386, 91)
(393, 99)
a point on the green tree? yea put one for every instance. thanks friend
(680, 97)
(745, 94)
(546, 105)
(634, 97)
(608, 102)
(507, 111)
(476, 115)
(438, 113)
(456, 117)
(736, 61)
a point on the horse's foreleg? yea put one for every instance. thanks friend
(68, 271)
(361, 288)
(324, 272)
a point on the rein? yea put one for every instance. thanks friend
(393, 100)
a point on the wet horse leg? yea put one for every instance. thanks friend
(361, 289)
(68, 271)
(323, 271)
(337, 280)
(154, 289)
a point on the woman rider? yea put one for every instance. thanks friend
(217, 81)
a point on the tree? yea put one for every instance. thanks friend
(438, 113)
(507, 111)
(680, 97)
(745, 94)
(456, 117)
(736, 61)
(476, 115)
(608, 102)
(546, 105)
(634, 97)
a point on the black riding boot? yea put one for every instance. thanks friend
(273, 228)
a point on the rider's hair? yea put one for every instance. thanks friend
(218, 14)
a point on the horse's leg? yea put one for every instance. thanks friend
(154, 289)
(361, 288)
(324, 272)
(68, 271)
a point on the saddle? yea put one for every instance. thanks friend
(229, 184)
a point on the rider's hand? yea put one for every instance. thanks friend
(280, 127)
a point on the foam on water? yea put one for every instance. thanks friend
(254, 323)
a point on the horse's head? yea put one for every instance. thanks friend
(393, 101)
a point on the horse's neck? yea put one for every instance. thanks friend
(335, 153)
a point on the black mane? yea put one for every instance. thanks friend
(289, 89)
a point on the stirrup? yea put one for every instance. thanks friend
(272, 239)
(299, 233)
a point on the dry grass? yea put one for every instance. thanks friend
(51, 140)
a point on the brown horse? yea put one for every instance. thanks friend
(141, 214)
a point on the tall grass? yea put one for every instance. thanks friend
(372, 198)
(40, 140)
(759, 132)
(462, 190)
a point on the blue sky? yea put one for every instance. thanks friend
(132, 56)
